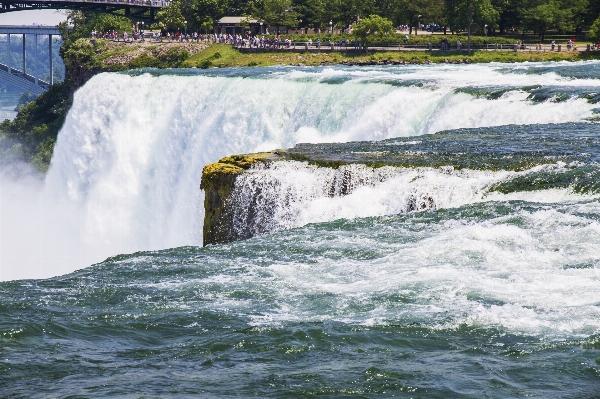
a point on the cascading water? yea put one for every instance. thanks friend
(128, 161)
(292, 194)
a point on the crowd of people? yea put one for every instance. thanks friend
(243, 41)
(159, 36)
(261, 41)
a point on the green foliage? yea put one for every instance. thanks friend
(207, 25)
(172, 58)
(313, 14)
(412, 12)
(107, 22)
(205, 64)
(200, 14)
(547, 14)
(482, 13)
(144, 61)
(24, 99)
(84, 22)
(171, 17)
(595, 30)
(43, 154)
(32, 134)
(208, 61)
(275, 12)
(373, 26)
(79, 53)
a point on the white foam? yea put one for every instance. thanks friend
(292, 194)
(128, 161)
(532, 272)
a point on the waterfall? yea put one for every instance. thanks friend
(127, 164)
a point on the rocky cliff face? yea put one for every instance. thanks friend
(218, 181)
(252, 195)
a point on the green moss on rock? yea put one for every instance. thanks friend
(218, 181)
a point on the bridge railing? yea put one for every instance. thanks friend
(151, 3)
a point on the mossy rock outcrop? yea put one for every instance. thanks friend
(218, 181)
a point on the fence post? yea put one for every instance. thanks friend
(8, 60)
(559, 47)
(51, 61)
(24, 56)
(35, 54)
(588, 47)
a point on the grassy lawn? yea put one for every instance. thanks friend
(222, 55)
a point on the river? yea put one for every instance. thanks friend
(489, 288)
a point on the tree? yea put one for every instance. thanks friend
(170, 17)
(276, 13)
(372, 26)
(84, 22)
(593, 11)
(594, 32)
(509, 14)
(79, 53)
(311, 12)
(350, 11)
(580, 15)
(543, 15)
(199, 13)
(207, 25)
(412, 12)
(483, 13)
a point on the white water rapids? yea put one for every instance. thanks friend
(127, 164)
(292, 194)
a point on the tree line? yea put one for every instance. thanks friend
(491, 17)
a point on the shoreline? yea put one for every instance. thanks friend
(224, 55)
(112, 56)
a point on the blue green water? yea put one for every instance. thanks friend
(470, 269)
(302, 313)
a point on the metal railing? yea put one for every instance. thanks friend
(307, 46)
(23, 80)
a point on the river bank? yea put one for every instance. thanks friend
(118, 55)
(222, 56)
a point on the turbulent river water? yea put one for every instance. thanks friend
(472, 270)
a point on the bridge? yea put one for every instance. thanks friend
(27, 81)
(140, 10)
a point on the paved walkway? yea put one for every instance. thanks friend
(302, 46)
